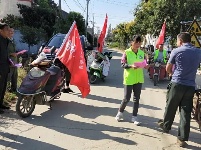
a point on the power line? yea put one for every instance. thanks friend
(116, 3)
(78, 5)
(114, 17)
(67, 5)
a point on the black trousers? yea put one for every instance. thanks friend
(68, 77)
(179, 96)
(12, 78)
(4, 70)
(136, 88)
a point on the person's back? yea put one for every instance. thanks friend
(187, 59)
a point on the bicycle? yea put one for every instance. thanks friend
(196, 112)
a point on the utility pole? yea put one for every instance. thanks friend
(93, 30)
(60, 5)
(87, 16)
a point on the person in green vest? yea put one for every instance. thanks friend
(12, 76)
(133, 78)
(160, 55)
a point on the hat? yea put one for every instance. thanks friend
(2, 25)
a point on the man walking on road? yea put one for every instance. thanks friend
(186, 59)
(4, 63)
(133, 78)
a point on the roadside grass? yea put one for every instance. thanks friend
(10, 98)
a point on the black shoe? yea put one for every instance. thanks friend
(161, 125)
(65, 91)
(1, 111)
(4, 107)
(70, 91)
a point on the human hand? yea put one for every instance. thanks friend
(14, 54)
(146, 67)
(134, 67)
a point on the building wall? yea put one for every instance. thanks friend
(10, 7)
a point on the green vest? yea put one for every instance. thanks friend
(164, 55)
(133, 76)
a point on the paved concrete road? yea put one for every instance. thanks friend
(89, 124)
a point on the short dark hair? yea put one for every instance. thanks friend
(137, 38)
(185, 37)
(3, 25)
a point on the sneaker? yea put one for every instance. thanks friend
(135, 120)
(119, 116)
(181, 143)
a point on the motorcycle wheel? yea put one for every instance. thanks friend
(93, 79)
(25, 106)
(155, 80)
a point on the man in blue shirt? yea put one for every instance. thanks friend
(186, 59)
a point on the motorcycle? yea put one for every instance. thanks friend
(99, 66)
(157, 72)
(43, 83)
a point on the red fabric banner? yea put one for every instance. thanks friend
(72, 56)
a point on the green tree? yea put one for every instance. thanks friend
(63, 24)
(13, 21)
(80, 21)
(31, 35)
(150, 15)
(109, 34)
(39, 17)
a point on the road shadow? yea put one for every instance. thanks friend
(23, 143)
(151, 123)
(91, 131)
(116, 101)
(150, 84)
(7, 117)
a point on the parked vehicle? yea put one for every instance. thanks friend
(99, 68)
(57, 41)
(43, 83)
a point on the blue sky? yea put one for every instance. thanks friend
(118, 11)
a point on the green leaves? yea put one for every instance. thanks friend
(31, 35)
(149, 17)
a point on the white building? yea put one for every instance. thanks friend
(10, 7)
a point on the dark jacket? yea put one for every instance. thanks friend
(4, 51)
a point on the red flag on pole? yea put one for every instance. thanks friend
(102, 35)
(161, 37)
(72, 56)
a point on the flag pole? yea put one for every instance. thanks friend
(66, 37)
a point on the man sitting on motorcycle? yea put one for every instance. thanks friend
(160, 55)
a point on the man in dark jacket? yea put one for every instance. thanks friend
(4, 63)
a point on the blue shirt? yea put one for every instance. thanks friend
(186, 59)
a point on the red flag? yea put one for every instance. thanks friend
(161, 37)
(72, 56)
(102, 35)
